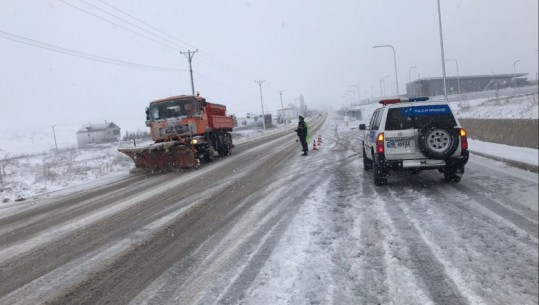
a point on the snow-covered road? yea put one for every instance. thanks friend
(416, 241)
(266, 226)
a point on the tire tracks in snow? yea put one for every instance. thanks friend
(428, 270)
(374, 285)
(519, 221)
(486, 261)
(357, 251)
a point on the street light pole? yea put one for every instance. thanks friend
(353, 97)
(394, 61)
(514, 64)
(282, 108)
(383, 85)
(458, 77)
(442, 49)
(358, 93)
(514, 72)
(410, 73)
(262, 104)
(409, 78)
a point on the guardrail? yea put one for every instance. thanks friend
(514, 132)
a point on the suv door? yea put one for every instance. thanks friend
(370, 135)
(400, 136)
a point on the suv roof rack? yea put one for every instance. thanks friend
(418, 99)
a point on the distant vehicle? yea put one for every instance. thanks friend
(185, 128)
(414, 135)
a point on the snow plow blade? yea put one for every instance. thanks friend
(162, 156)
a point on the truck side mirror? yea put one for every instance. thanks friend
(362, 127)
(147, 114)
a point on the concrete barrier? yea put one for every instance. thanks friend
(514, 132)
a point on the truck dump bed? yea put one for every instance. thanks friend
(217, 118)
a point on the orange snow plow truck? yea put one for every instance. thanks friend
(185, 129)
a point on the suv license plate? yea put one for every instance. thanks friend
(404, 143)
(400, 144)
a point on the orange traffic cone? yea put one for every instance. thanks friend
(320, 140)
(314, 145)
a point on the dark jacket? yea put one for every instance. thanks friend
(302, 130)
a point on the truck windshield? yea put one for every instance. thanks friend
(172, 109)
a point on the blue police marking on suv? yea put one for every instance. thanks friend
(372, 134)
(426, 110)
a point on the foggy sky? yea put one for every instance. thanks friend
(320, 49)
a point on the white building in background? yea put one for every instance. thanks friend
(254, 120)
(98, 133)
(288, 114)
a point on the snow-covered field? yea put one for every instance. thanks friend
(42, 169)
(519, 107)
(29, 164)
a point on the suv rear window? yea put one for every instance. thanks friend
(417, 117)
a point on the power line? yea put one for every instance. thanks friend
(116, 24)
(247, 96)
(180, 44)
(130, 23)
(146, 24)
(130, 26)
(75, 53)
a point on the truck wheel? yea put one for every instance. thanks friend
(226, 145)
(379, 175)
(208, 154)
(438, 140)
(207, 157)
(367, 164)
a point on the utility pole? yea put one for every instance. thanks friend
(189, 55)
(262, 104)
(54, 135)
(282, 108)
(442, 49)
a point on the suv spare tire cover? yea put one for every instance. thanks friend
(438, 140)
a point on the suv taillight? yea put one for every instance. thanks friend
(380, 143)
(463, 139)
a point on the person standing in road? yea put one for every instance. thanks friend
(303, 134)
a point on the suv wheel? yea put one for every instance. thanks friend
(451, 177)
(379, 175)
(450, 174)
(438, 140)
(367, 163)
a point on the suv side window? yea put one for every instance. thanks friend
(373, 119)
(377, 119)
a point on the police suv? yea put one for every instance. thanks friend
(413, 135)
